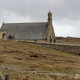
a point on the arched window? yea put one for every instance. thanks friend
(10, 37)
(50, 39)
(54, 40)
(3, 35)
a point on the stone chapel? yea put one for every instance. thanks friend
(34, 32)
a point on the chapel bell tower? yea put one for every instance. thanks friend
(49, 17)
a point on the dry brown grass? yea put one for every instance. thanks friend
(69, 40)
(25, 56)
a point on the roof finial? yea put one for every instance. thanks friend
(3, 23)
(49, 13)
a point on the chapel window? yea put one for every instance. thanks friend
(10, 37)
(3, 35)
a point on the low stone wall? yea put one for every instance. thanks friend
(64, 47)
(72, 48)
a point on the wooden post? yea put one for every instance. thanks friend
(7, 77)
(0, 78)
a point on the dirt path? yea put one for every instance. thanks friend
(50, 73)
(32, 71)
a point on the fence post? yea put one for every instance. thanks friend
(0, 78)
(7, 77)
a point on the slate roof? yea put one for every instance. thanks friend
(25, 31)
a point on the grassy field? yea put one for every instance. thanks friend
(16, 58)
(69, 40)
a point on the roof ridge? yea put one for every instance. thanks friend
(26, 23)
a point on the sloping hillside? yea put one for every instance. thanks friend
(25, 61)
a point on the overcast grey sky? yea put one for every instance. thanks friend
(66, 14)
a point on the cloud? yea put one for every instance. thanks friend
(66, 13)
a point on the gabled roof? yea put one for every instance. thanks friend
(22, 31)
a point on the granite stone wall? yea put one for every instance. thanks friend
(72, 48)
